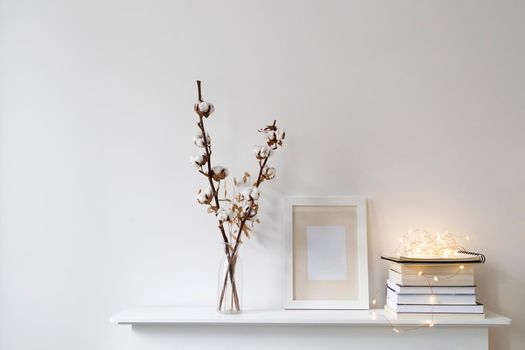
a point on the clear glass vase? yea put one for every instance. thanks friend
(229, 296)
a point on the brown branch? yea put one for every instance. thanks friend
(243, 221)
(257, 183)
(230, 271)
(199, 90)
(259, 177)
(210, 180)
(230, 257)
(233, 255)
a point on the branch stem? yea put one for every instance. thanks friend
(243, 222)
(207, 149)
(199, 90)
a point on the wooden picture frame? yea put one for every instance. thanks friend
(326, 253)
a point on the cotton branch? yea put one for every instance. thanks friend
(207, 149)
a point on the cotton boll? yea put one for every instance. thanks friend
(198, 139)
(219, 173)
(221, 215)
(251, 193)
(262, 152)
(199, 142)
(199, 160)
(205, 196)
(268, 173)
(255, 193)
(195, 161)
(280, 134)
(224, 215)
(245, 194)
(204, 108)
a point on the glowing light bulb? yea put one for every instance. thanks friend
(467, 238)
(461, 267)
(373, 301)
(420, 273)
(436, 279)
(432, 299)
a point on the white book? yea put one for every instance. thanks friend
(392, 315)
(459, 309)
(458, 299)
(415, 280)
(431, 290)
(433, 269)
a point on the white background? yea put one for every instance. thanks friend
(418, 105)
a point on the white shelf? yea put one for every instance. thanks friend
(171, 315)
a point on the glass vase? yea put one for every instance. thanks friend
(229, 295)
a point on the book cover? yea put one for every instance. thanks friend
(460, 257)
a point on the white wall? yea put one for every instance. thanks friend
(418, 105)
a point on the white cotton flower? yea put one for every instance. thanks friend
(245, 194)
(199, 160)
(262, 152)
(268, 173)
(198, 139)
(224, 215)
(251, 192)
(219, 173)
(205, 196)
(280, 134)
(204, 108)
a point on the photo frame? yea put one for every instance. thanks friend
(326, 253)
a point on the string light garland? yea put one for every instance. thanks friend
(417, 243)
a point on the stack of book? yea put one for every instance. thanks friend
(433, 286)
